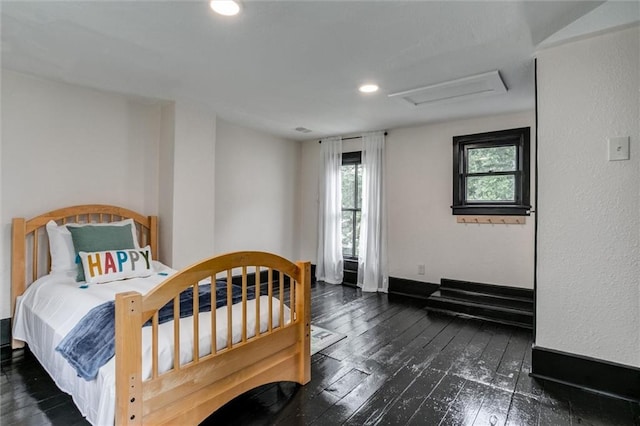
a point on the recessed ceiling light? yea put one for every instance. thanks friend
(225, 7)
(368, 88)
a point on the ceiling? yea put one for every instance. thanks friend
(286, 64)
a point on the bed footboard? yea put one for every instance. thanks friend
(274, 346)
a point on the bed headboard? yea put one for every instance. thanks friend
(30, 257)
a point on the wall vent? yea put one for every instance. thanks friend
(454, 90)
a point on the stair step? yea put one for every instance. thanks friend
(488, 299)
(481, 317)
(501, 304)
(487, 288)
(436, 297)
(480, 310)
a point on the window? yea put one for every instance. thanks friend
(491, 173)
(351, 202)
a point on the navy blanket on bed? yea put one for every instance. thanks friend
(91, 343)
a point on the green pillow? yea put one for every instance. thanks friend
(89, 238)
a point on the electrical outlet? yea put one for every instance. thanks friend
(421, 269)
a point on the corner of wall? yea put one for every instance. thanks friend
(165, 181)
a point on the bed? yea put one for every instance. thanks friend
(180, 370)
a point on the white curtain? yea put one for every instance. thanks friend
(372, 257)
(329, 264)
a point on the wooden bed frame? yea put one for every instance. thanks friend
(187, 393)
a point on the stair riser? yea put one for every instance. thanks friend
(480, 311)
(486, 288)
(478, 317)
(350, 277)
(488, 299)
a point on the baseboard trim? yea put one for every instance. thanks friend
(251, 278)
(605, 377)
(5, 331)
(411, 288)
(264, 277)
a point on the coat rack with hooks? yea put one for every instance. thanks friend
(493, 220)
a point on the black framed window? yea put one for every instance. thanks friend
(491, 173)
(351, 203)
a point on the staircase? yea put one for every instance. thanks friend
(505, 305)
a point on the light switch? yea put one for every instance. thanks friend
(421, 269)
(619, 148)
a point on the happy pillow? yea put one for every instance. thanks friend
(112, 265)
(92, 238)
(63, 253)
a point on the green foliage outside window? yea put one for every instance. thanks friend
(491, 160)
(349, 186)
(351, 206)
(490, 188)
(494, 159)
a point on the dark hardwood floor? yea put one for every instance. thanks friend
(398, 365)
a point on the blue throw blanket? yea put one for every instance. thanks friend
(91, 343)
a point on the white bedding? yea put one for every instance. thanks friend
(52, 305)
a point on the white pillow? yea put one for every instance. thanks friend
(63, 255)
(112, 265)
(61, 248)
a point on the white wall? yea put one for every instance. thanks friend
(422, 229)
(194, 195)
(308, 175)
(165, 180)
(588, 292)
(4, 256)
(64, 145)
(256, 190)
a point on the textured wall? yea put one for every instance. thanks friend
(588, 293)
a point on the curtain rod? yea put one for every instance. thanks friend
(353, 137)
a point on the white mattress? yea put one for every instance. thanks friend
(52, 306)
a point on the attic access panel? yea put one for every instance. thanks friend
(460, 89)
